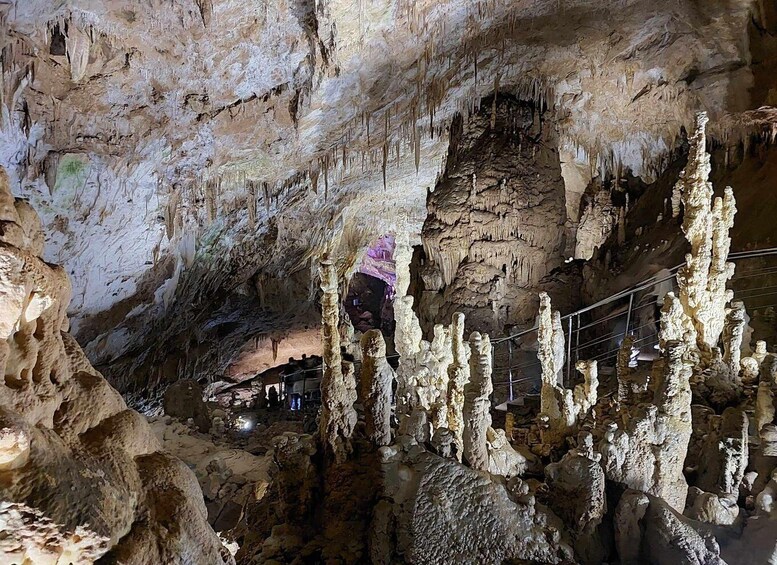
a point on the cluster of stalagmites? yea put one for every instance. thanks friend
(82, 477)
(678, 465)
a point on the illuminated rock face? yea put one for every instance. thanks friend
(494, 226)
(83, 476)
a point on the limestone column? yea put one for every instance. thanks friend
(733, 331)
(338, 416)
(376, 378)
(458, 374)
(477, 403)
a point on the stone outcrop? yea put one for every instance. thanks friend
(427, 498)
(645, 523)
(83, 475)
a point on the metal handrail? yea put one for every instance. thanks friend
(647, 283)
(623, 294)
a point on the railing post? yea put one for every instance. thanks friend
(510, 366)
(569, 353)
(628, 315)
(577, 339)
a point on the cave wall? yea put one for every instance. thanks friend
(495, 224)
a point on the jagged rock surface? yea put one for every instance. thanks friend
(74, 457)
(484, 255)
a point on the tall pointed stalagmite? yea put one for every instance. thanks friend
(706, 226)
(376, 379)
(477, 402)
(338, 393)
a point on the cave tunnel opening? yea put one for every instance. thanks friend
(368, 303)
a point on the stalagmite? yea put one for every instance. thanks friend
(703, 279)
(585, 394)
(765, 409)
(477, 403)
(721, 468)
(560, 408)
(551, 345)
(458, 377)
(407, 335)
(675, 325)
(647, 453)
(732, 338)
(577, 494)
(377, 377)
(338, 392)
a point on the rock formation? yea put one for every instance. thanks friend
(477, 403)
(706, 226)
(377, 376)
(84, 478)
(577, 494)
(338, 387)
(484, 255)
(560, 408)
(648, 452)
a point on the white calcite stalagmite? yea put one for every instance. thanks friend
(560, 408)
(407, 334)
(733, 332)
(706, 226)
(675, 325)
(458, 377)
(477, 403)
(84, 477)
(767, 387)
(648, 451)
(338, 389)
(722, 465)
(431, 376)
(377, 376)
